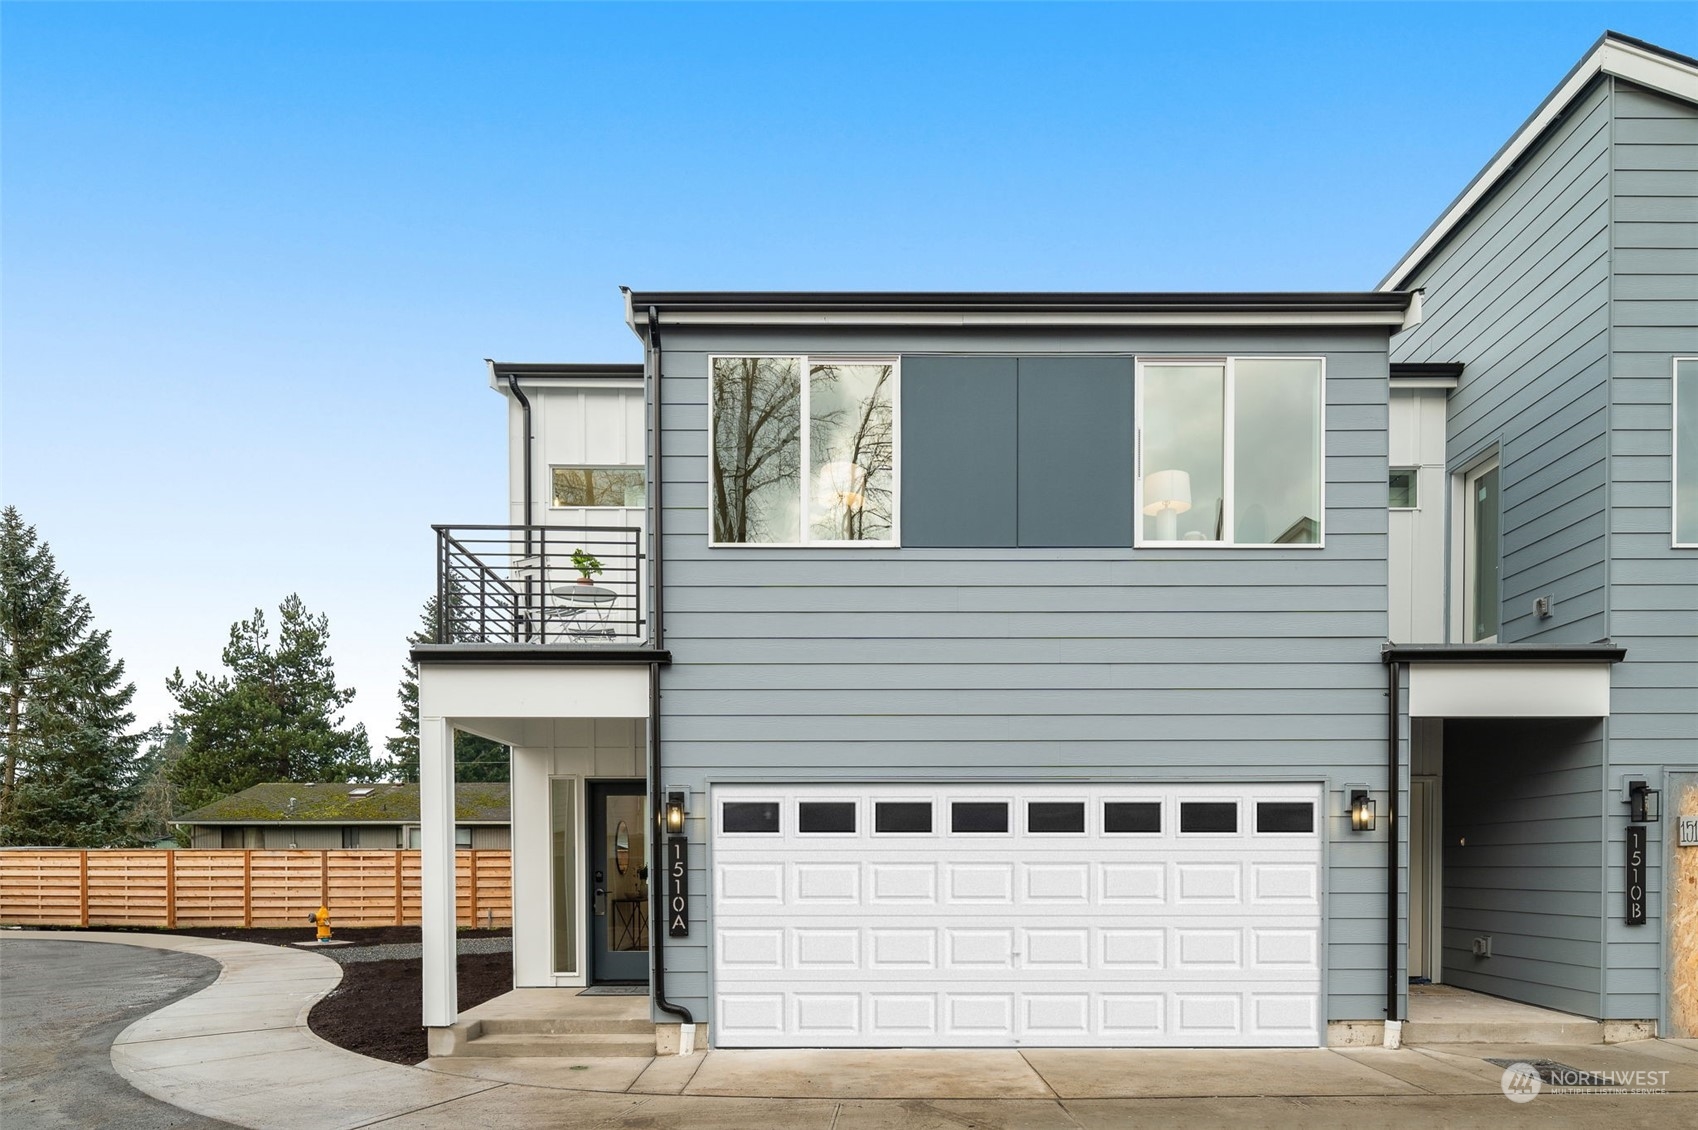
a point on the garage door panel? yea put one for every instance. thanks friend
(1033, 937)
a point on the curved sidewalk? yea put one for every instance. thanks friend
(240, 1051)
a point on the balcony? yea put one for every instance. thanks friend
(521, 585)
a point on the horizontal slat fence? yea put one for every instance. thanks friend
(192, 887)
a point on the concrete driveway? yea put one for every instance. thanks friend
(61, 1006)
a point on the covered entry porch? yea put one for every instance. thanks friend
(579, 734)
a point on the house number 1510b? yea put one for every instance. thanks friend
(1636, 874)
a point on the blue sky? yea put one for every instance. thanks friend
(253, 254)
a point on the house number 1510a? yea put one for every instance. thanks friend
(677, 887)
(1636, 874)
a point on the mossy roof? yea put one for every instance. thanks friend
(296, 802)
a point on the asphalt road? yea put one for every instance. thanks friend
(61, 1006)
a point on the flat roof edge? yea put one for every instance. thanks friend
(1602, 652)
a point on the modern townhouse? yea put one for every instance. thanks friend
(1050, 669)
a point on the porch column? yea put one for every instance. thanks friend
(436, 870)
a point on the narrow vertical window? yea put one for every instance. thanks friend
(1184, 452)
(757, 449)
(1482, 509)
(851, 434)
(1276, 452)
(1686, 451)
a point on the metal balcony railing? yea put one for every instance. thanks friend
(524, 585)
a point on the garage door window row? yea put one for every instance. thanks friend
(1044, 817)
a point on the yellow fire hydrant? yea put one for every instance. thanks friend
(323, 920)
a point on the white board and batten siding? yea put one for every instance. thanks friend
(1026, 938)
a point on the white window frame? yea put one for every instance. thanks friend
(1413, 471)
(553, 467)
(1464, 567)
(1674, 453)
(808, 361)
(1228, 468)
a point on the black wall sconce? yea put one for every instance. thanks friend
(1644, 804)
(1363, 816)
(672, 819)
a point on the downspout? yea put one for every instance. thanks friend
(525, 406)
(657, 637)
(1394, 709)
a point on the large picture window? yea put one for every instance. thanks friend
(768, 412)
(1686, 451)
(1229, 451)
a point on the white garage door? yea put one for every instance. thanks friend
(896, 916)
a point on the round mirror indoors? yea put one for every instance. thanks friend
(622, 847)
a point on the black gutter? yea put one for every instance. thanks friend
(525, 404)
(1426, 370)
(1022, 301)
(1602, 652)
(1394, 889)
(657, 636)
(602, 655)
(612, 370)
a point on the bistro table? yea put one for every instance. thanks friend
(584, 609)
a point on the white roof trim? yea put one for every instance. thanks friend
(1611, 56)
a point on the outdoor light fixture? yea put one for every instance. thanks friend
(673, 818)
(1167, 495)
(1362, 815)
(1645, 804)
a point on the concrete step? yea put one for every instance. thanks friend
(558, 1045)
(567, 1026)
(1576, 1031)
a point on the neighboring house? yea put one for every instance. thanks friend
(292, 814)
(1049, 669)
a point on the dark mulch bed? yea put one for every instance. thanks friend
(378, 1008)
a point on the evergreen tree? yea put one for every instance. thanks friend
(475, 758)
(67, 774)
(156, 796)
(276, 716)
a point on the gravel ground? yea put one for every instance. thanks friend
(348, 955)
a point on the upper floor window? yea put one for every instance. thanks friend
(1403, 496)
(1686, 451)
(1229, 451)
(804, 450)
(598, 486)
(1482, 508)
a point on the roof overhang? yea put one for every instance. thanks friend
(1507, 680)
(1038, 309)
(1644, 64)
(1426, 374)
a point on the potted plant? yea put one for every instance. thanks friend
(586, 565)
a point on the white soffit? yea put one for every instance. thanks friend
(1649, 69)
(1509, 690)
(533, 690)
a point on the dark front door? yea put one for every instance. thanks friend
(619, 889)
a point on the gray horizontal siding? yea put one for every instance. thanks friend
(1654, 596)
(1037, 664)
(1523, 860)
(1521, 295)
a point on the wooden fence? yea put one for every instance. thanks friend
(251, 887)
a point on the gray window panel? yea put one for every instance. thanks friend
(1208, 816)
(978, 816)
(816, 816)
(958, 451)
(908, 816)
(1055, 816)
(1075, 451)
(749, 816)
(1126, 816)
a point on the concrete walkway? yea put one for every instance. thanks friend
(240, 1051)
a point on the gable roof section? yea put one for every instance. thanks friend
(1655, 68)
(333, 803)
